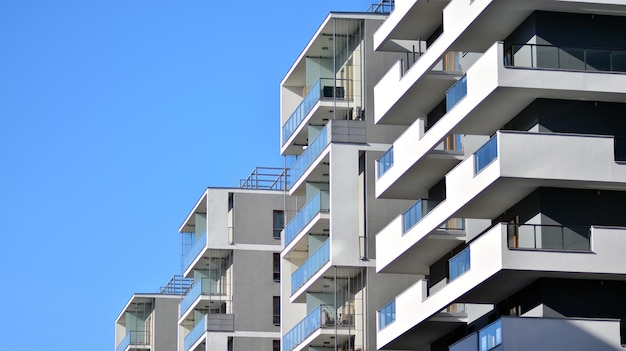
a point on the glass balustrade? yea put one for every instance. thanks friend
(311, 266)
(565, 58)
(319, 202)
(549, 237)
(457, 92)
(490, 336)
(322, 316)
(134, 338)
(195, 250)
(204, 286)
(416, 212)
(385, 162)
(387, 315)
(195, 333)
(459, 264)
(486, 154)
(309, 155)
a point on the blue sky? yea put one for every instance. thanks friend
(115, 115)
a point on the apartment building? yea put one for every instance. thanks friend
(231, 245)
(513, 154)
(330, 293)
(148, 322)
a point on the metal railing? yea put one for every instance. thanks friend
(416, 212)
(549, 237)
(311, 266)
(322, 89)
(317, 204)
(322, 316)
(304, 161)
(195, 333)
(178, 285)
(486, 154)
(194, 251)
(387, 315)
(385, 162)
(565, 57)
(265, 178)
(384, 6)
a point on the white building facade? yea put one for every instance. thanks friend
(513, 153)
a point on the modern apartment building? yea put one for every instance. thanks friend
(330, 293)
(513, 152)
(231, 245)
(149, 322)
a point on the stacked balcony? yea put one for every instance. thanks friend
(311, 266)
(498, 263)
(318, 329)
(135, 340)
(314, 211)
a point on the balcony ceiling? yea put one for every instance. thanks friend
(422, 335)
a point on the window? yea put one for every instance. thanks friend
(279, 223)
(276, 308)
(276, 267)
(275, 345)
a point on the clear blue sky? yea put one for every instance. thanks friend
(115, 115)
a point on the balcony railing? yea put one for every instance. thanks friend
(311, 266)
(565, 58)
(318, 203)
(309, 155)
(486, 154)
(549, 237)
(416, 212)
(323, 88)
(454, 224)
(490, 336)
(195, 333)
(195, 250)
(387, 315)
(457, 92)
(459, 264)
(385, 162)
(134, 338)
(322, 316)
(384, 6)
(202, 287)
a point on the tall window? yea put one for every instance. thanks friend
(276, 267)
(276, 309)
(275, 345)
(279, 223)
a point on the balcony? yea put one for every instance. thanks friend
(195, 334)
(498, 270)
(134, 340)
(317, 329)
(459, 264)
(457, 92)
(204, 287)
(565, 58)
(304, 161)
(326, 91)
(311, 266)
(564, 334)
(195, 250)
(474, 189)
(416, 212)
(319, 203)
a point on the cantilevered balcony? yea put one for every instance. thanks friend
(135, 340)
(327, 97)
(500, 263)
(195, 251)
(312, 265)
(312, 164)
(496, 177)
(311, 213)
(317, 329)
(482, 110)
(210, 322)
(468, 26)
(205, 292)
(564, 334)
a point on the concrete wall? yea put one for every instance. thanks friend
(165, 323)
(254, 217)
